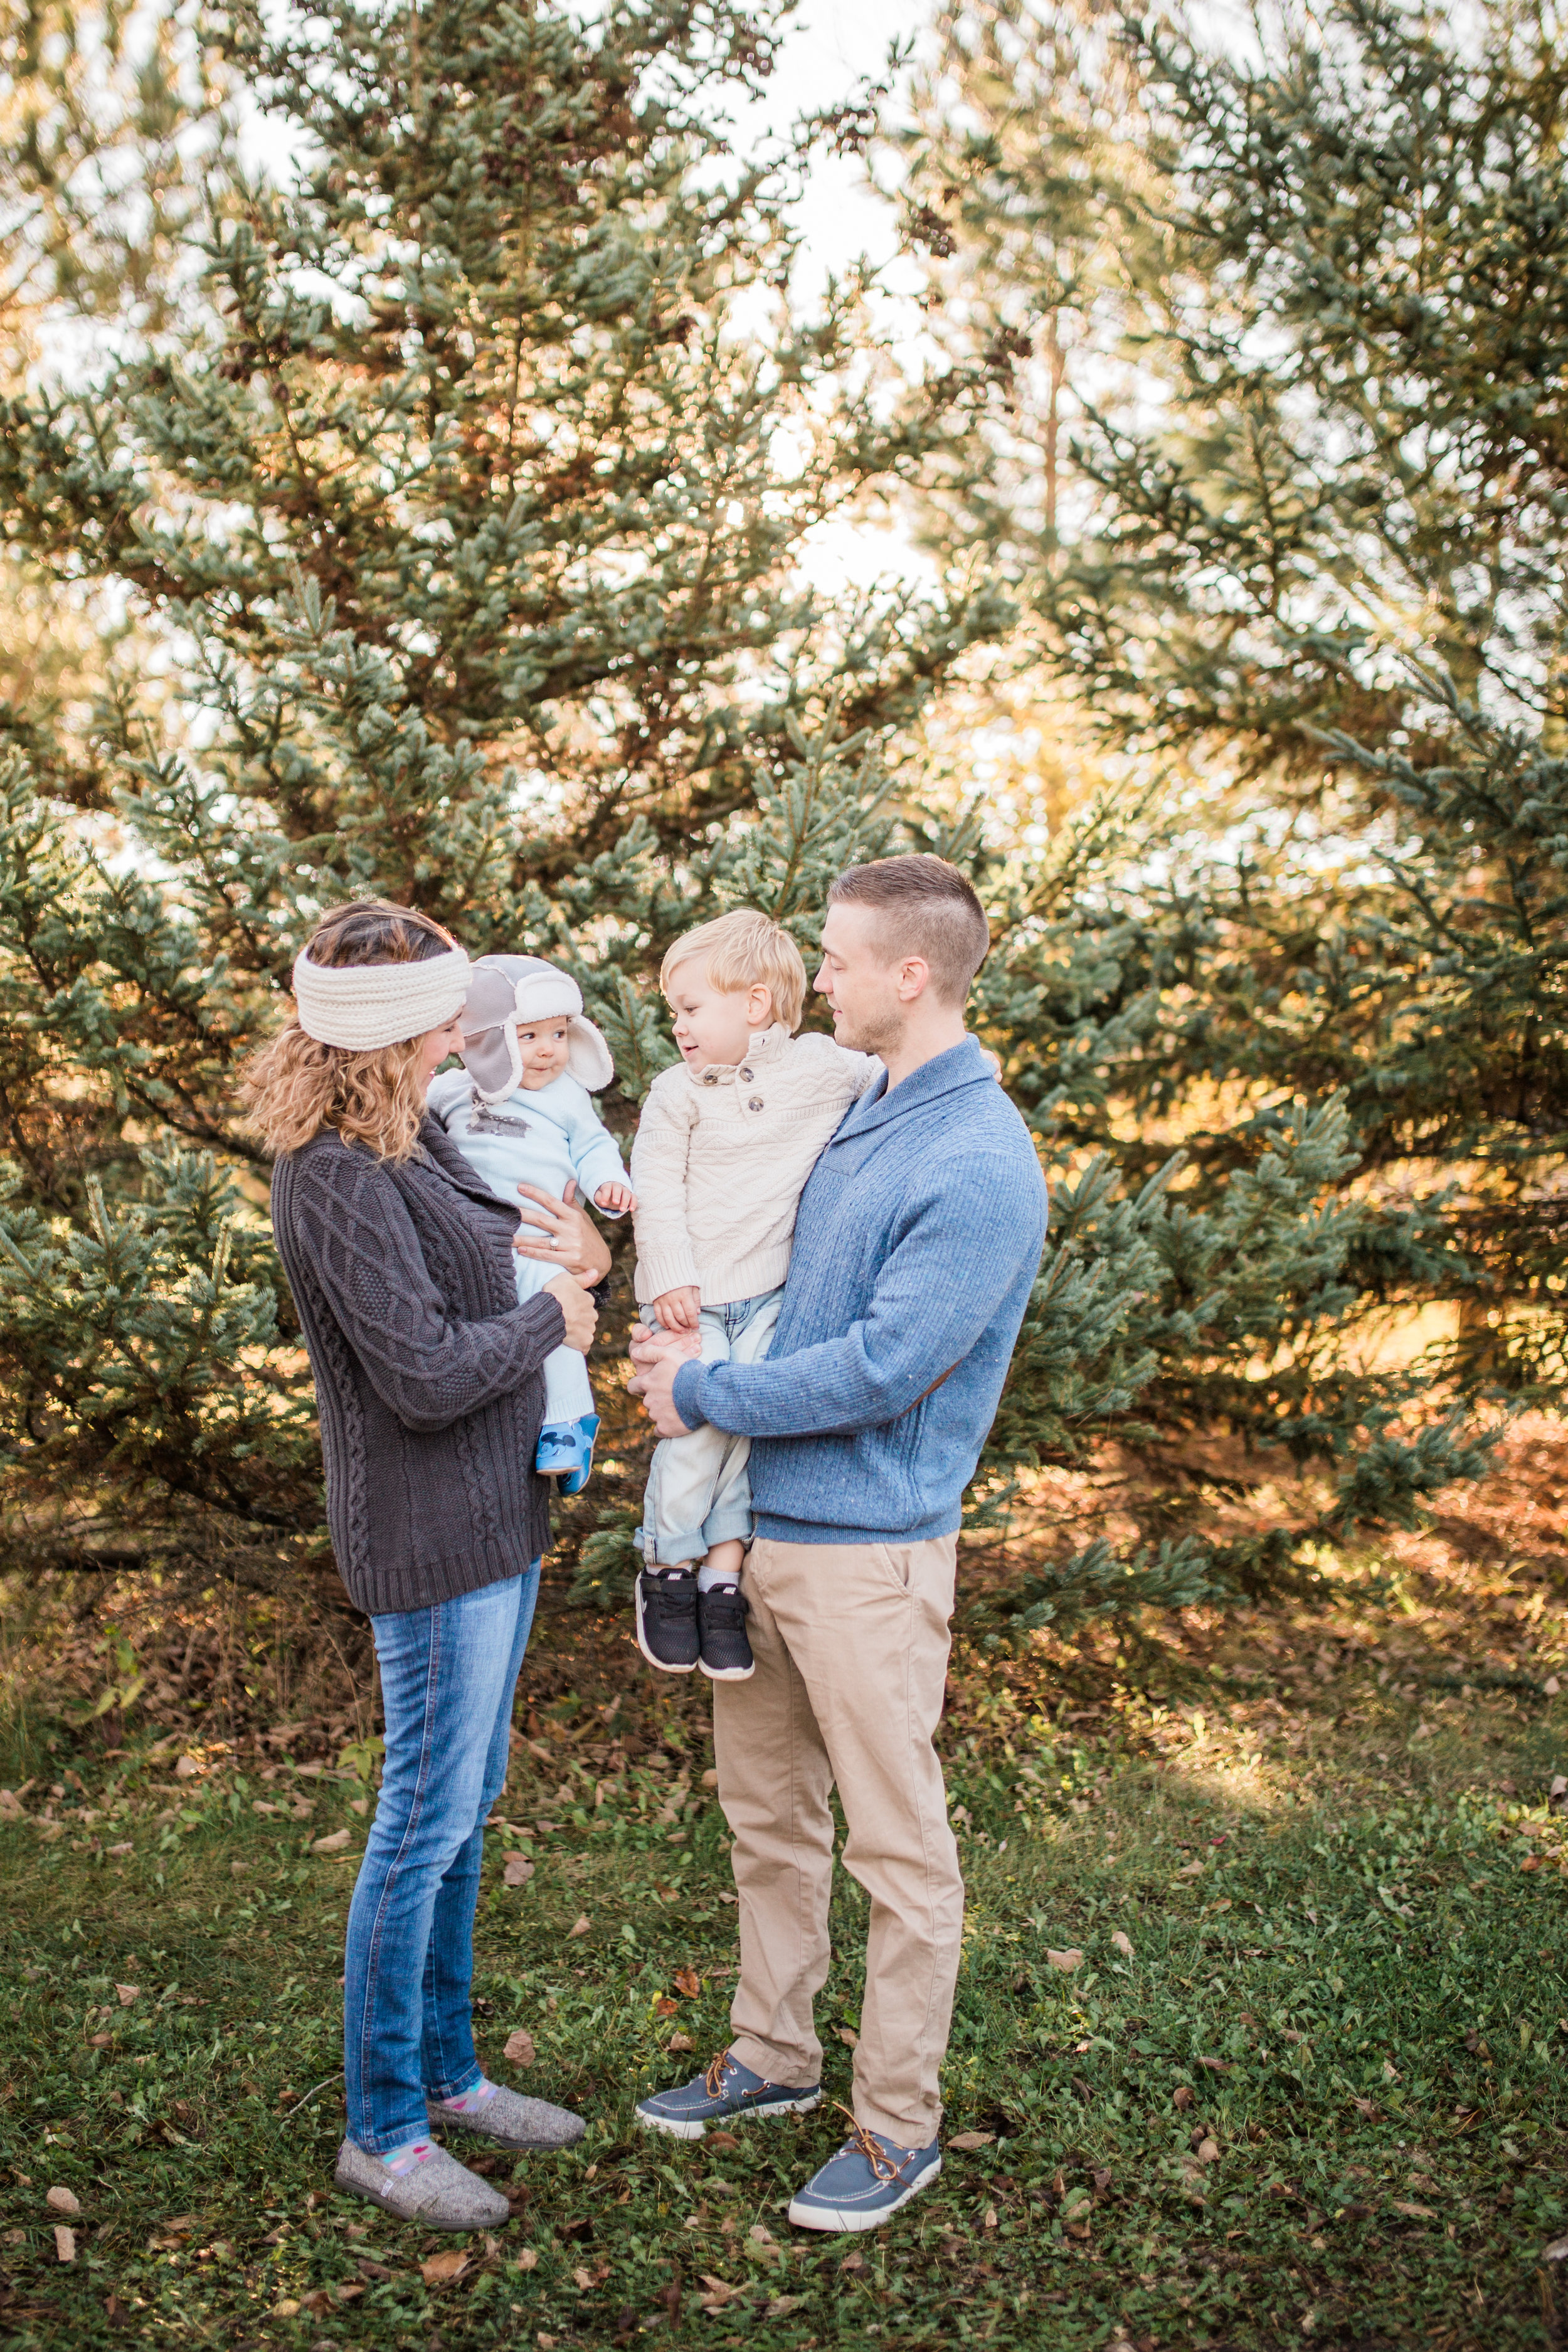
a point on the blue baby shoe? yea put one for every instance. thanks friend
(565, 1451)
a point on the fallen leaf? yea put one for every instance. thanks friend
(128, 1993)
(972, 2139)
(1551, 1685)
(440, 2268)
(688, 1981)
(728, 1898)
(1191, 1869)
(348, 2291)
(711, 1778)
(237, 1868)
(1066, 1960)
(1183, 2095)
(1209, 2151)
(518, 2048)
(63, 2201)
(760, 2235)
(527, 2259)
(582, 2278)
(64, 2244)
(516, 1871)
(723, 2139)
(720, 2290)
(186, 1767)
(1216, 2066)
(1366, 2108)
(1416, 2213)
(1557, 2251)
(99, 2041)
(782, 2305)
(580, 1926)
(665, 2006)
(680, 2041)
(1530, 1862)
(1123, 1944)
(847, 2035)
(1390, 2072)
(333, 1844)
(286, 2309)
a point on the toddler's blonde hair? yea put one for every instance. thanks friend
(744, 949)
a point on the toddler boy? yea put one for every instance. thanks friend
(520, 1113)
(726, 1141)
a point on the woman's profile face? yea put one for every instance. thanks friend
(437, 1044)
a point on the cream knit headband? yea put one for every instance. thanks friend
(363, 1006)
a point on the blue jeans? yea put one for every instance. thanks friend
(447, 1674)
(698, 1491)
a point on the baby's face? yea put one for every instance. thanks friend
(543, 1048)
(713, 1024)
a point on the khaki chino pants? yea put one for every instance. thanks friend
(851, 1643)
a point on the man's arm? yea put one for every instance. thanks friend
(951, 1266)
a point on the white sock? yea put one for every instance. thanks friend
(716, 1579)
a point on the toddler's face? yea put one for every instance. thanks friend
(543, 1048)
(713, 1024)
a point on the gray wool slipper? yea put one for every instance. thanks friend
(511, 2121)
(439, 2194)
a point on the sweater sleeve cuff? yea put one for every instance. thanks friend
(670, 1268)
(686, 1391)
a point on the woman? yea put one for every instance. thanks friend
(430, 1394)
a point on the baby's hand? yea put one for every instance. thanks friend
(678, 1310)
(618, 1198)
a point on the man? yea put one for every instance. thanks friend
(916, 1246)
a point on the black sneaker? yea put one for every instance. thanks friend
(725, 1656)
(667, 1618)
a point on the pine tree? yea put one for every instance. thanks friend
(1302, 572)
(462, 522)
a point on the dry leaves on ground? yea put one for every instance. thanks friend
(972, 2139)
(1123, 1944)
(128, 1993)
(441, 2269)
(688, 1981)
(1183, 2095)
(516, 1871)
(63, 2201)
(519, 2050)
(331, 1844)
(581, 1925)
(1068, 1961)
(64, 2244)
(680, 2041)
(847, 2035)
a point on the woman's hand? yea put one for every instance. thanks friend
(582, 1315)
(558, 1232)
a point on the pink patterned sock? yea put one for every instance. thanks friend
(467, 2101)
(404, 2159)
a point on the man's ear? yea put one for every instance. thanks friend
(914, 974)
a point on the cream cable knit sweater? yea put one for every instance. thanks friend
(722, 1156)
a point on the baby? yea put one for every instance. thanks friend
(519, 1112)
(722, 1151)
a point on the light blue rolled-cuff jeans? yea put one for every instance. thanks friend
(447, 1674)
(698, 1491)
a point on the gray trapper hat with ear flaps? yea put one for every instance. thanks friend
(513, 991)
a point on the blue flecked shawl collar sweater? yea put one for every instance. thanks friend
(916, 1246)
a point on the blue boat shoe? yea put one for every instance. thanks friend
(868, 2180)
(723, 2090)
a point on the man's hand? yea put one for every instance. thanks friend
(617, 1198)
(654, 1382)
(678, 1310)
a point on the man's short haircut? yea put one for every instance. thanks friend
(740, 951)
(924, 908)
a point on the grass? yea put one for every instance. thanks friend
(1303, 2086)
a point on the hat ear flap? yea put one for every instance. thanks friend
(494, 1062)
(587, 1056)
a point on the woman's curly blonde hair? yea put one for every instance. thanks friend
(295, 1086)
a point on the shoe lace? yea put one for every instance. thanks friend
(713, 2074)
(866, 2143)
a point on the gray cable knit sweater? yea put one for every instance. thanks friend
(428, 1380)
